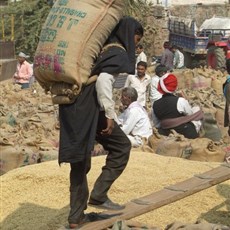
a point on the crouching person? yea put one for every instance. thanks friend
(173, 112)
(134, 121)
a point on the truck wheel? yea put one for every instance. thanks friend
(215, 57)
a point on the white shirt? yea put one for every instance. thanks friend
(141, 85)
(135, 121)
(154, 93)
(104, 88)
(141, 57)
(178, 60)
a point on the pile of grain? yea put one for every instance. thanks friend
(37, 197)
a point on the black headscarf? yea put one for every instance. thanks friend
(115, 60)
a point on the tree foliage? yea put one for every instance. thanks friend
(29, 16)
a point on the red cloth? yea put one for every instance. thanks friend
(167, 83)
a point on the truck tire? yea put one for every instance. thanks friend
(215, 57)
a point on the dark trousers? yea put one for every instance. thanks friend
(24, 85)
(79, 191)
(118, 146)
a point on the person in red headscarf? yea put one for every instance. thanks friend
(173, 112)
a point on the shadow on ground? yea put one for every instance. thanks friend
(220, 214)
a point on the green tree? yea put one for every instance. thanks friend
(29, 16)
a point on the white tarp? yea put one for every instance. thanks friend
(216, 23)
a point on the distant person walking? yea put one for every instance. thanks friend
(23, 72)
(167, 56)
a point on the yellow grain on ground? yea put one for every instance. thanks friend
(37, 196)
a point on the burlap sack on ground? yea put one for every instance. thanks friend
(129, 225)
(220, 116)
(197, 226)
(71, 39)
(10, 157)
(48, 154)
(184, 78)
(204, 149)
(154, 139)
(217, 84)
(175, 145)
(199, 82)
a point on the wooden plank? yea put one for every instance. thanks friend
(163, 197)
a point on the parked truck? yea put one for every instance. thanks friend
(207, 45)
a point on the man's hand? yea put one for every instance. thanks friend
(109, 128)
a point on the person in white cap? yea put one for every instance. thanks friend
(23, 72)
(173, 112)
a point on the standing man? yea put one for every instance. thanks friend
(23, 72)
(134, 121)
(140, 82)
(141, 56)
(226, 88)
(167, 56)
(91, 116)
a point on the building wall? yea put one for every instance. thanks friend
(189, 2)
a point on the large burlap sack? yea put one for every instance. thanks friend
(204, 149)
(71, 39)
(175, 145)
(200, 82)
(217, 84)
(155, 139)
(184, 78)
(10, 157)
